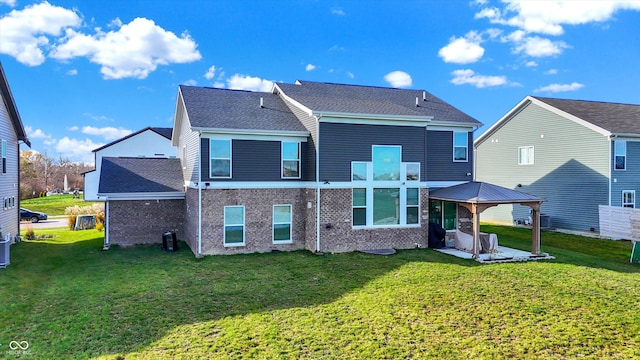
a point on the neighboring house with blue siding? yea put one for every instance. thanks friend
(575, 154)
(317, 166)
(12, 133)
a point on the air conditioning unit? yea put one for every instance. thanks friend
(545, 221)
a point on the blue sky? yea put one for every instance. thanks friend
(84, 73)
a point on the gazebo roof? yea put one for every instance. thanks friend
(476, 192)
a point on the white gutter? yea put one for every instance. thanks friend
(412, 118)
(199, 194)
(318, 184)
(610, 144)
(251, 132)
(106, 220)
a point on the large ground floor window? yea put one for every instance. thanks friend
(386, 206)
(443, 213)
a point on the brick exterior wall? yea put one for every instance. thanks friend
(341, 237)
(258, 205)
(144, 221)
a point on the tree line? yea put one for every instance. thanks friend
(41, 174)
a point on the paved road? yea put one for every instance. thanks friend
(43, 224)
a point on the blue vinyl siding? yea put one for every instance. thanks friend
(340, 144)
(440, 164)
(252, 160)
(628, 179)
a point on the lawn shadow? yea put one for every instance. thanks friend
(128, 298)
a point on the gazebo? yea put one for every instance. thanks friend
(478, 196)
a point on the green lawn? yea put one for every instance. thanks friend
(52, 205)
(69, 299)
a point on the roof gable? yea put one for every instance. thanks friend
(213, 108)
(369, 100)
(164, 132)
(613, 117)
(140, 175)
(7, 98)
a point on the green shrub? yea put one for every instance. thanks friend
(29, 234)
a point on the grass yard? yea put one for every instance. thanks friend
(69, 299)
(53, 205)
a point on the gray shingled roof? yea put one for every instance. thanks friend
(476, 192)
(613, 117)
(164, 132)
(237, 109)
(341, 98)
(140, 175)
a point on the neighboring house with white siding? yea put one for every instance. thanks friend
(150, 142)
(316, 166)
(12, 133)
(575, 154)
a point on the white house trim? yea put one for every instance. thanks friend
(251, 134)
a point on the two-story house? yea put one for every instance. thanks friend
(150, 142)
(317, 166)
(575, 154)
(12, 133)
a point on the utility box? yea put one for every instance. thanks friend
(545, 221)
(169, 241)
(5, 246)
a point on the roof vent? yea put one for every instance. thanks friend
(417, 101)
(424, 96)
(261, 102)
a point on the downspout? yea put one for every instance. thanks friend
(106, 222)
(610, 144)
(318, 185)
(199, 193)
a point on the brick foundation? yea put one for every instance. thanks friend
(258, 205)
(136, 222)
(340, 236)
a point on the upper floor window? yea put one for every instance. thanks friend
(620, 154)
(220, 158)
(291, 160)
(525, 155)
(460, 146)
(4, 156)
(629, 198)
(386, 162)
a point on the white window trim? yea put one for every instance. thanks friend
(530, 160)
(466, 147)
(615, 154)
(407, 206)
(274, 223)
(282, 160)
(372, 158)
(224, 226)
(365, 207)
(633, 197)
(369, 185)
(230, 159)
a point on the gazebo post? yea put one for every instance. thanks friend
(535, 229)
(475, 211)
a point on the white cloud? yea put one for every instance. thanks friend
(398, 79)
(467, 76)
(548, 17)
(463, 50)
(538, 47)
(218, 84)
(211, 73)
(246, 82)
(11, 3)
(77, 149)
(551, 72)
(24, 32)
(310, 67)
(559, 87)
(72, 72)
(74, 128)
(108, 132)
(338, 12)
(133, 50)
(531, 64)
(190, 82)
(36, 134)
(350, 75)
(336, 48)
